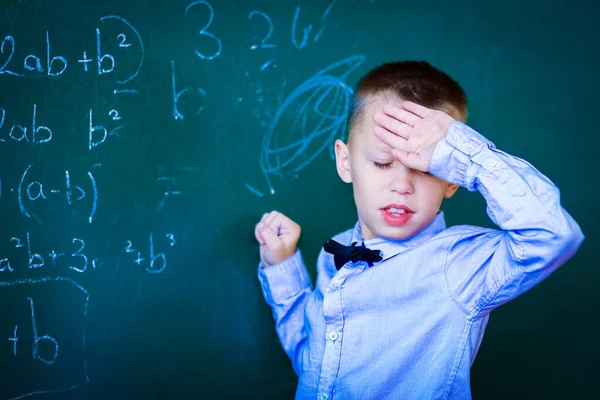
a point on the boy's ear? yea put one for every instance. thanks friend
(342, 161)
(450, 190)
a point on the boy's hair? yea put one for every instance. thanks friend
(416, 81)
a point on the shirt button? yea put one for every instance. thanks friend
(324, 396)
(333, 336)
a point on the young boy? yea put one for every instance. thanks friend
(401, 313)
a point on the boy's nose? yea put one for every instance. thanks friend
(402, 184)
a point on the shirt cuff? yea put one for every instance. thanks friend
(284, 280)
(452, 155)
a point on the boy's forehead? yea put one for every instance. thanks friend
(365, 140)
(372, 145)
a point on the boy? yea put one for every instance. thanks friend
(401, 313)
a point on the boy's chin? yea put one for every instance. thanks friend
(398, 236)
(395, 233)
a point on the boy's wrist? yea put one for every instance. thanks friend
(264, 263)
(452, 155)
(447, 162)
(285, 279)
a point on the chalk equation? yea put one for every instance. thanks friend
(155, 262)
(103, 124)
(71, 191)
(42, 336)
(26, 255)
(53, 64)
(34, 133)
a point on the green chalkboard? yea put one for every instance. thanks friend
(140, 141)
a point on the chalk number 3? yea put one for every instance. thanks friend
(204, 32)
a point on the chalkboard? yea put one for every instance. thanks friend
(141, 141)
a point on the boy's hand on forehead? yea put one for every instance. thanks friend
(277, 236)
(412, 131)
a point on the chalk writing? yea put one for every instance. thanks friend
(44, 341)
(31, 191)
(38, 134)
(319, 107)
(56, 65)
(53, 66)
(132, 91)
(157, 262)
(177, 114)
(75, 258)
(306, 31)
(3, 50)
(267, 36)
(122, 38)
(99, 133)
(37, 339)
(101, 57)
(264, 41)
(204, 31)
(37, 63)
(168, 186)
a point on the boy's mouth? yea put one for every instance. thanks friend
(396, 215)
(397, 209)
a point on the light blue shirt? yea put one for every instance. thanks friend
(409, 327)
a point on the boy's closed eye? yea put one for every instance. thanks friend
(387, 165)
(383, 165)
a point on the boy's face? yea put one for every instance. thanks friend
(383, 186)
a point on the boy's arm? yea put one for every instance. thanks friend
(286, 287)
(486, 268)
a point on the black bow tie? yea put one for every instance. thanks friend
(342, 254)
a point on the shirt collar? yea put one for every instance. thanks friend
(390, 248)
